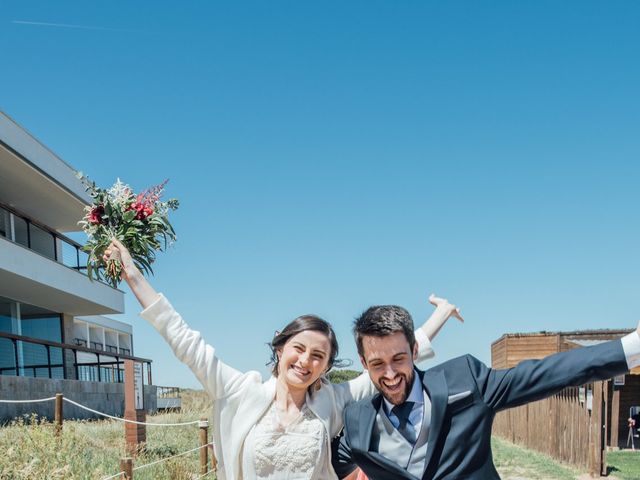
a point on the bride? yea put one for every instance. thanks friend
(280, 428)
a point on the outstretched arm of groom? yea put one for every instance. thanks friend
(532, 380)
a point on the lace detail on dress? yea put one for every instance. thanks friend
(292, 451)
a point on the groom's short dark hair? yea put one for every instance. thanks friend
(383, 320)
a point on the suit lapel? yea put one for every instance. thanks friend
(436, 386)
(360, 430)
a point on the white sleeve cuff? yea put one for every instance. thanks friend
(631, 347)
(424, 345)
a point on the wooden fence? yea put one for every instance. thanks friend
(562, 427)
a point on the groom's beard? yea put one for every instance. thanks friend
(400, 396)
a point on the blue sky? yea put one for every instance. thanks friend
(333, 155)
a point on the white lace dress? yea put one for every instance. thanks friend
(292, 452)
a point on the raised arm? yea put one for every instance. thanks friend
(139, 285)
(188, 345)
(428, 331)
(533, 380)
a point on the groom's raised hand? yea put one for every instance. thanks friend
(443, 303)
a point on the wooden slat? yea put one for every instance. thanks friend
(557, 426)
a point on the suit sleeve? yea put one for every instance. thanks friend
(341, 458)
(533, 380)
(190, 348)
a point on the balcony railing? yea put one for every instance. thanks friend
(168, 398)
(41, 239)
(32, 357)
(98, 346)
(168, 392)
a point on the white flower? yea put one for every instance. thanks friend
(120, 193)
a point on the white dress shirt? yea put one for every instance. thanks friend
(421, 406)
(631, 347)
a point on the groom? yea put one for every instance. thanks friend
(436, 424)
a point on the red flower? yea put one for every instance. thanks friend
(95, 216)
(142, 210)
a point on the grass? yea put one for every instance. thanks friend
(513, 461)
(624, 465)
(93, 449)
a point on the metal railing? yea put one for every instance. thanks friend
(27, 356)
(168, 392)
(43, 240)
(168, 398)
(98, 346)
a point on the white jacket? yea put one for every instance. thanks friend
(240, 399)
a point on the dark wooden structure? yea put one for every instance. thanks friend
(561, 426)
(620, 395)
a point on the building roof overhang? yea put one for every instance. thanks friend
(28, 277)
(36, 182)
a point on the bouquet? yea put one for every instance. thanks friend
(140, 222)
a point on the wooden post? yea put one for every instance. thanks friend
(597, 432)
(126, 466)
(204, 428)
(135, 434)
(605, 427)
(554, 432)
(58, 414)
(615, 417)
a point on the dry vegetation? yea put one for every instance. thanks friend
(92, 450)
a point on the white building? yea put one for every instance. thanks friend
(51, 323)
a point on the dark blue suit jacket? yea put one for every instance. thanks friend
(460, 431)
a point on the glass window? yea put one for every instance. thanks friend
(42, 242)
(5, 223)
(34, 360)
(20, 228)
(42, 327)
(7, 357)
(30, 321)
(69, 255)
(57, 365)
(8, 320)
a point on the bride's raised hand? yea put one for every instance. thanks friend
(443, 304)
(139, 285)
(118, 252)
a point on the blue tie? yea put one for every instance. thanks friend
(405, 427)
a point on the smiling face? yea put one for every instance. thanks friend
(389, 360)
(304, 358)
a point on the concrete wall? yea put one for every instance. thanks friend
(104, 397)
(67, 337)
